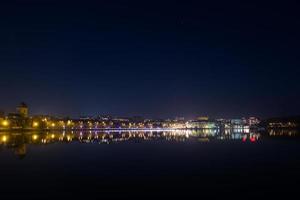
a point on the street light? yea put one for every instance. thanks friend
(4, 138)
(5, 123)
(35, 124)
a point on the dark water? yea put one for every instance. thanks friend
(141, 165)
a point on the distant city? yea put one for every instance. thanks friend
(21, 120)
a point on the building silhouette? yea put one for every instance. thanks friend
(22, 110)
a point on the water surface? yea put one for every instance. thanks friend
(141, 164)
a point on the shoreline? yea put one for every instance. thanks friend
(125, 129)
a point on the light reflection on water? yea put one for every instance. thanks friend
(17, 142)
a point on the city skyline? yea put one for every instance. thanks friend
(95, 114)
(29, 113)
(21, 120)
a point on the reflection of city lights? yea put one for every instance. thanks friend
(113, 136)
(4, 138)
(34, 137)
(252, 139)
(244, 138)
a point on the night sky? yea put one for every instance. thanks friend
(152, 59)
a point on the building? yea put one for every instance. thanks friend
(22, 110)
(253, 121)
(237, 122)
(17, 120)
(201, 125)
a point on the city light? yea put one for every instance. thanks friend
(35, 124)
(5, 123)
(4, 138)
(20, 122)
(35, 137)
(69, 138)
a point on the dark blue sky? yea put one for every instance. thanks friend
(156, 59)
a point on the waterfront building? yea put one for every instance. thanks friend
(201, 124)
(253, 121)
(22, 110)
(237, 123)
(17, 121)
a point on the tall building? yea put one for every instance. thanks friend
(22, 110)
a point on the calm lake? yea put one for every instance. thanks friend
(149, 164)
